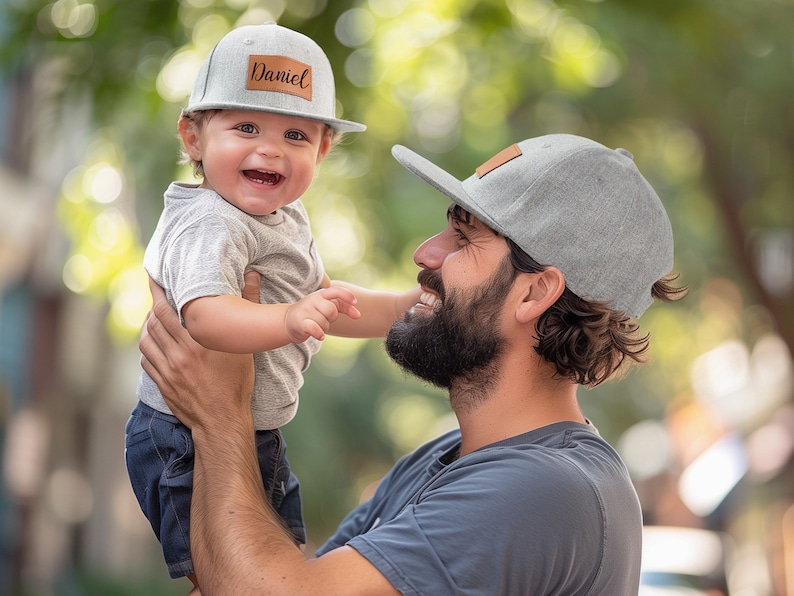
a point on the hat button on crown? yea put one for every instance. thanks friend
(625, 153)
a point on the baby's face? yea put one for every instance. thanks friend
(259, 161)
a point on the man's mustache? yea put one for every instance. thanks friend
(431, 280)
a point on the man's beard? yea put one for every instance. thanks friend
(458, 344)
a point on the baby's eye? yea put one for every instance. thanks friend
(246, 128)
(294, 135)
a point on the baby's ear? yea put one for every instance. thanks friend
(541, 290)
(326, 143)
(189, 132)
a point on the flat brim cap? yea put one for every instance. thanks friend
(571, 203)
(269, 68)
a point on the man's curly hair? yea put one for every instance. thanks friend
(587, 341)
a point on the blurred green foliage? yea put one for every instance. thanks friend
(698, 90)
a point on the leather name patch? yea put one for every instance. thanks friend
(280, 74)
(499, 159)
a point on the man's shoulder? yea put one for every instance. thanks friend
(571, 459)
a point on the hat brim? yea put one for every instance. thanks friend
(335, 123)
(441, 180)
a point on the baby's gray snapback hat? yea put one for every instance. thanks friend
(269, 68)
(570, 203)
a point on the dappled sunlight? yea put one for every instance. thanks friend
(106, 251)
(130, 302)
(698, 92)
(533, 17)
(175, 80)
(340, 234)
(106, 182)
(78, 274)
(355, 27)
(72, 18)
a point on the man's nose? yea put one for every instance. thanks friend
(432, 252)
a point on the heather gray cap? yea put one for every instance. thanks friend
(570, 203)
(269, 68)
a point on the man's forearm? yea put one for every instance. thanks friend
(239, 544)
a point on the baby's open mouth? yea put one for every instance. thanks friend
(263, 176)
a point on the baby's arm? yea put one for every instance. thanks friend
(379, 309)
(234, 324)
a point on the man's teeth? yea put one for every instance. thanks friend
(428, 299)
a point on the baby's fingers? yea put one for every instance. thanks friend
(344, 300)
(306, 329)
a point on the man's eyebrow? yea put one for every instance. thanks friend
(457, 214)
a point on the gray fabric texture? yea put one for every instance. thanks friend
(549, 512)
(231, 79)
(202, 246)
(571, 203)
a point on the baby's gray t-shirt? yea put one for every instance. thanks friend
(203, 245)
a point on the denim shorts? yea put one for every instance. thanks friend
(159, 456)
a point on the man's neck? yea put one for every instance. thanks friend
(512, 405)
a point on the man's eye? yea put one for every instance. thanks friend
(462, 238)
(248, 129)
(294, 135)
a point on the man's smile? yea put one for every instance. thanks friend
(428, 299)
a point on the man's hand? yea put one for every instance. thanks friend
(192, 379)
(312, 315)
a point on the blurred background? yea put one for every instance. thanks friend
(700, 91)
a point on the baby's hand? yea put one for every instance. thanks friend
(312, 316)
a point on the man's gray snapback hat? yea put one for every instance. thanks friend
(269, 68)
(570, 203)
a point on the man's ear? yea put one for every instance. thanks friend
(188, 131)
(540, 291)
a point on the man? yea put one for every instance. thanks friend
(525, 498)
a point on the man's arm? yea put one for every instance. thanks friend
(239, 545)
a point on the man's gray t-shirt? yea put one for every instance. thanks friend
(203, 246)
(549, 512)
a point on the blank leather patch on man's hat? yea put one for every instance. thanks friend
(499, 159)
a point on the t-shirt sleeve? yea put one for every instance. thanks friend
(206, 260)
(507, 527)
